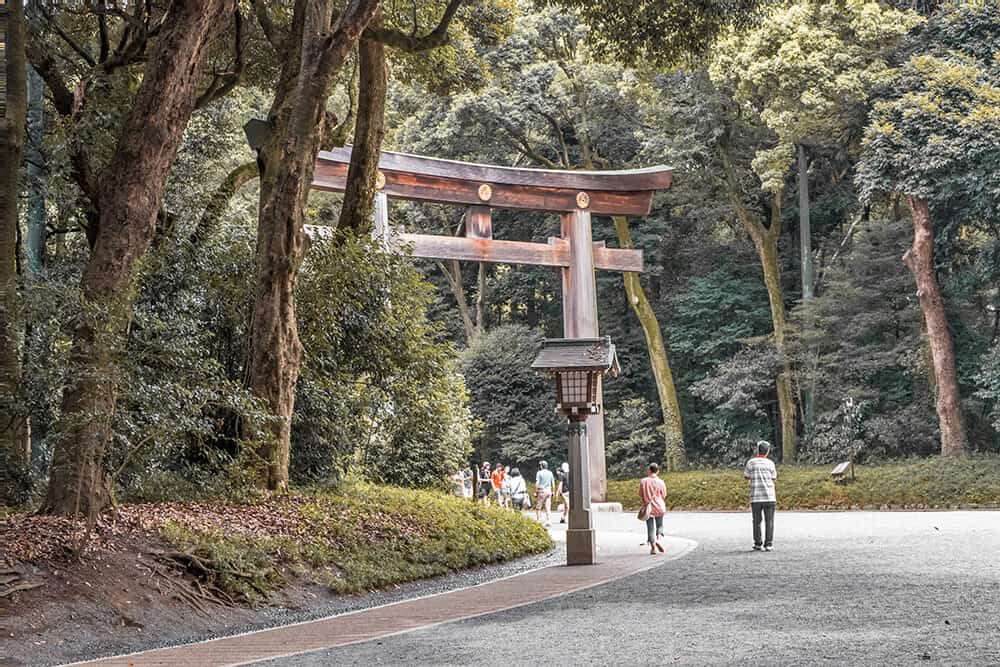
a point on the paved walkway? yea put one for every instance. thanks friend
(841, 588)
(618, 554)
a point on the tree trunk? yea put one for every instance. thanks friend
(36, 173)
(454, 277)
(920, 260)
(130, 198)
(767, 250)
(298, 119)
(676, 455)
(806, 260)
(482, 298)
(369, 130)
(15, 445)
(765, 240)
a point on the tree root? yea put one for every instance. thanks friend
(22, 586)
(202, 588)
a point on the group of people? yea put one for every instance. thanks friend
(506, 487)
(759, 471)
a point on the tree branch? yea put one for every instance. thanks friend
(54, 25)
(223, 84)
(412, 44)
(266, 24)
(41, 59)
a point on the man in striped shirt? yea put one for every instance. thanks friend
(761, 473)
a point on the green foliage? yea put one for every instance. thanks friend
(988, 381)
(377, 386)
(632, 438)
(659, 30)
(513, 403)
(935, 133)
(931, 483)
(862, 353)
(808, 69)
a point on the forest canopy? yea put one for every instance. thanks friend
(824, 272)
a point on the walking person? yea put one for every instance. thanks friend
(543, 493)
(518, 490)
(467, 479)
(562, 490)
(761, 473)
(485, 485)
(653, 493)
(497, 482)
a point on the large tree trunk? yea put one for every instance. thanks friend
(36, 173)
(131, 194)
(369, 130)
(676, 455)
(298, 120)
(767, 250)
(15, 446)
(920, 260)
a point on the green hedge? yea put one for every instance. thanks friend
(926, 484)
(360, 538)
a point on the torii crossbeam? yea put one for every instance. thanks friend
(574, 195)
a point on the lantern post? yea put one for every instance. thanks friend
(578, 366)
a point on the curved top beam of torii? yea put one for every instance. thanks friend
(574, 195)
(419, 178)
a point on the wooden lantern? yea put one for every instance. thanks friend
(577, 364)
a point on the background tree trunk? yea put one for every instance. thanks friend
(130, 198)
(920, 260)
(315, 52)
(676, 455)
(36, 173)
(767, 250)
(806, 260)
(15, 441)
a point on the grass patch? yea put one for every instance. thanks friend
(359, 538)
(926, 484)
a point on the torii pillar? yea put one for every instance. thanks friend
(579, 288)
(574, 195)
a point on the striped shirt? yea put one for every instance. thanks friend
(761, 472)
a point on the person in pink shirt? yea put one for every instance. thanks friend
(653, 491)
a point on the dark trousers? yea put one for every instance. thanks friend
(765, 510)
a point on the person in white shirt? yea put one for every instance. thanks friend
(761, 473)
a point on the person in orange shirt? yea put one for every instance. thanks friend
(497, 480)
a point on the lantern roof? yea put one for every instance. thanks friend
(577, 354)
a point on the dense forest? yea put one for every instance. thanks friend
(824, 272)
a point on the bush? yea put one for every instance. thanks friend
(358, 538)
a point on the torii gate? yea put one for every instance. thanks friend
(574, 195)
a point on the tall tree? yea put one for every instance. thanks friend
(128, 198)
(299, 127)
(318, 42)
(933, 140)
(807, 69)
(15, 443)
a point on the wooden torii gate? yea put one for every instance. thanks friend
(574, 195)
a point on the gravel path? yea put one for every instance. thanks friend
(841, 588)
